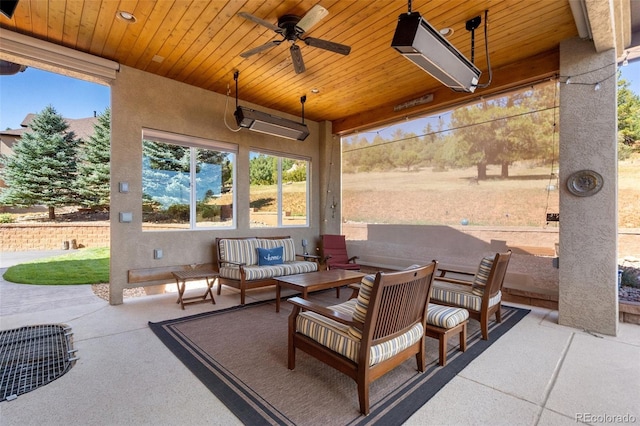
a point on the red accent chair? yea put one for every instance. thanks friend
(334, 251)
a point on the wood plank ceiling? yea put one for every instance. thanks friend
(199, 43)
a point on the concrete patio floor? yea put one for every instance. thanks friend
(539, 373)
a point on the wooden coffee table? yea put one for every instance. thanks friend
(314, 281)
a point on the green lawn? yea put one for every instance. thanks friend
(85, 266)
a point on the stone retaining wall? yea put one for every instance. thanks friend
(52, 236)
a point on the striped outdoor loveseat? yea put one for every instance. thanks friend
(246, 263)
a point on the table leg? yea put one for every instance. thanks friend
(277, 296)
(181, 292)
(209, 292)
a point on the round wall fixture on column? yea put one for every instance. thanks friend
(584, 183)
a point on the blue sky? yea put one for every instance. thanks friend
(32, 90)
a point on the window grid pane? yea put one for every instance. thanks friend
(186, 187)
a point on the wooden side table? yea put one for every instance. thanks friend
(194, 274)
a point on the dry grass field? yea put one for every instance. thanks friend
(451, 197)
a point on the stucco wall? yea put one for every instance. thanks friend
(588, 296)
(398, 246)
(142, 100)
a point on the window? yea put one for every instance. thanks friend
(279, 188)
(187, 182)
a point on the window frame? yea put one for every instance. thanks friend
(279, 187)
(193, 143)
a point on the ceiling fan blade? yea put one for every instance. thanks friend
(259, 49)
(312, 17)
(328, 45)
(257, 20)
(296, 58)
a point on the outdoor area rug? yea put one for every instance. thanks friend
(240, 354)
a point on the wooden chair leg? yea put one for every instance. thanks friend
(443, 339)
(484, 325)
(363, 396)
(463, 337)
(421, 358)
(291, 354)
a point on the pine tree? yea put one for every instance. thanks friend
(42, 169)
(628, 114)
(93, 182)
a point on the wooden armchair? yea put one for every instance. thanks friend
(370, 335)
(334, 251)
(480, 294)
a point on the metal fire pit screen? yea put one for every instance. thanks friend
(33, 356)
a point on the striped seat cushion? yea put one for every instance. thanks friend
(362, 303)
(459, 295)
(269, 271)
(446, 316)
(482, 276)
(337, 337)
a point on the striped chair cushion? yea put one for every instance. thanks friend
(337, 337)
(269, 271)
(289, 252)
(481, 277)
(362, 303)
(460, 295)
(241, 251)
(445, 316)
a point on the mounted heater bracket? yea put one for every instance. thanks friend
(269, 124)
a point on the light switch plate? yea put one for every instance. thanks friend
(157, 254)
(123, 187)
(126, 217)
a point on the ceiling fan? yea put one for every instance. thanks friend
(291, 28)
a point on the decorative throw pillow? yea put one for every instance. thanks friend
(362, 303)
(270, 256)
(480, 280)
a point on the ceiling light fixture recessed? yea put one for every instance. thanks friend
(315, 91)
(446, 32)
(126, 16)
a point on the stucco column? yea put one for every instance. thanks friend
(588, 224)
(330, 180)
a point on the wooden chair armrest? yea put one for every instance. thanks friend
(453, 280)
(222, 262)
(444, 271)
(355, 288)
(322, 310)
(441, 276)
